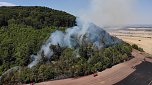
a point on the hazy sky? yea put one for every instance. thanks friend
(142, 8)
(71, 6)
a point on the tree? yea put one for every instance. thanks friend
(37, 17)
(137, 48)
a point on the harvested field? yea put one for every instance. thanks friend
(142, 38)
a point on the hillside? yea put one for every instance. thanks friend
(37, 17)
(20, 33)
(120, 74)
(29, 54)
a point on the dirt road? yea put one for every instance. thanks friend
(118, 74)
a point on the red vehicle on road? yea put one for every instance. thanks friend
(95, 74)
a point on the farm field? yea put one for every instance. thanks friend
(142, 38)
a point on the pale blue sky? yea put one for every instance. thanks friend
(74, 6)
(143, 7)
(71, 6)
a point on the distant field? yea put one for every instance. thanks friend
(140, 37)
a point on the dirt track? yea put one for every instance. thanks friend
(118, 74)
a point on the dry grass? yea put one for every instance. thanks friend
(142, 38)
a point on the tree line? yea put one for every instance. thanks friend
(37, 17)
(66, 64)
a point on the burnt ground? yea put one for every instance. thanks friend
(141, 76)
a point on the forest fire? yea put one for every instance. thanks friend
(83, 33)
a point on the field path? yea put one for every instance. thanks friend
(109, 76)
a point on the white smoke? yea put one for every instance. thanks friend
(110, 12)
(74, 37)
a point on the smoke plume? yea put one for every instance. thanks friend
(110, 12)
(83, 33)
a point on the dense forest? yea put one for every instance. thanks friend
(22, 32)
(37, 17)
(65, 64)
(20, 35)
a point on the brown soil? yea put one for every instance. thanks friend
(132, 72)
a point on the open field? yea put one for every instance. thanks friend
(140, 37)
(132, 72)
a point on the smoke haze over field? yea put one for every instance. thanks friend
(114, 13)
